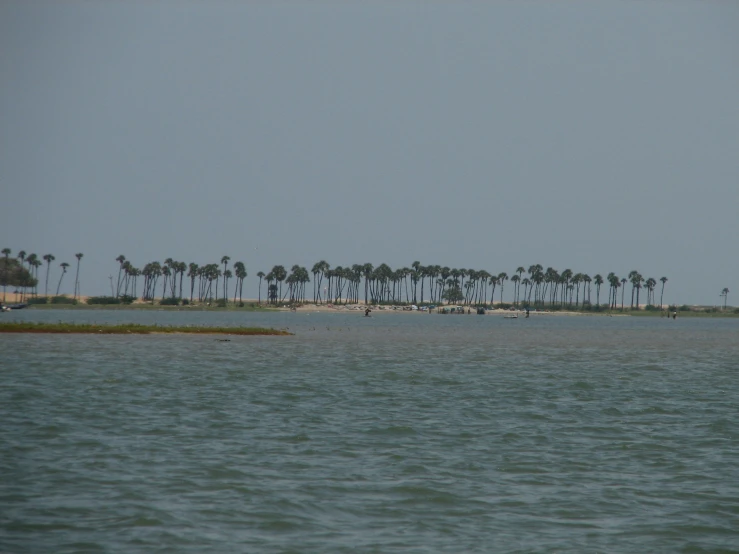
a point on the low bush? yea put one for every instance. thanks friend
(241, 304)
(169, 302)
(185, 302)
(221, 303)
(39, 300)
(104, 300)
(63, 300)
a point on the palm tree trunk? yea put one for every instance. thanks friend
(59, 286)
(77, 280)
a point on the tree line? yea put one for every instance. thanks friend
(532, 286)
(417, 284)
(13, 272)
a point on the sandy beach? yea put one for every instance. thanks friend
(13, 298)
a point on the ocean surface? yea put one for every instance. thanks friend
(395, 433)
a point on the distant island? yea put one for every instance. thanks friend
(208, 285)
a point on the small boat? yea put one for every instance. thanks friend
(17, 306)
(510, 316)
(4, 309)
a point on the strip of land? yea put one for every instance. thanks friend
(132, 329)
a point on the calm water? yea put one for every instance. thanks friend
(396, 433)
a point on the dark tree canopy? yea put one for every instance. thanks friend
(14, 275)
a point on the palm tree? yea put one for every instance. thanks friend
(280, 274)
(48, 258)
(226, 276)
(241, 274)
(260, 274)
(224, 261)
(623, 289)
(271, 289)
(725, 294)
(78, 255)
(192, 272)
(120, 259)
(22, 257)
(6, 252)
(64, 266)
(650, 283)
(32, 260)
(663, 280)
(502, 278)
(598, 280)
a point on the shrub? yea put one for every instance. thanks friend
(185, 302)
(221, 303)
(241, 304)
(63, 300)
(39, 300)
(103, 300)
(169, 302)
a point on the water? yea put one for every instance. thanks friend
(400, 432)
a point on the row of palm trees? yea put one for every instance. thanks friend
(172, 273)
(418, 284)
(34, 263)
(533, 286)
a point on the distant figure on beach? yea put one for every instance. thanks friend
(674, 315)
(367, 312)
(527, 312)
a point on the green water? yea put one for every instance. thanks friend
(396, 433)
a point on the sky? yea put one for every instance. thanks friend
(595, 136)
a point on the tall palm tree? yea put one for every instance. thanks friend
(623, 289)
(121, 260)
(226, 276)
(240, 271)
(22, 258)
(48, 258)
(78, 255)
(280, 274)
(64, 266)
(271, 289)
(502, 278)
(650, 283)
(725, 294)
(6, 252)
(663, 280)
(31, 260)
(192, 273)
(260, 274)
(224, 261)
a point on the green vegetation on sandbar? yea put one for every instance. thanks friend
(131, 329)
(39, 304)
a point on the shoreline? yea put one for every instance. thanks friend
(133, 329)
(252, 305)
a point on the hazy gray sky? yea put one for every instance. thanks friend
(596, 136)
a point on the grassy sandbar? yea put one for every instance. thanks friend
(131, 329)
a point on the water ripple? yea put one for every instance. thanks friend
(399, 433)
